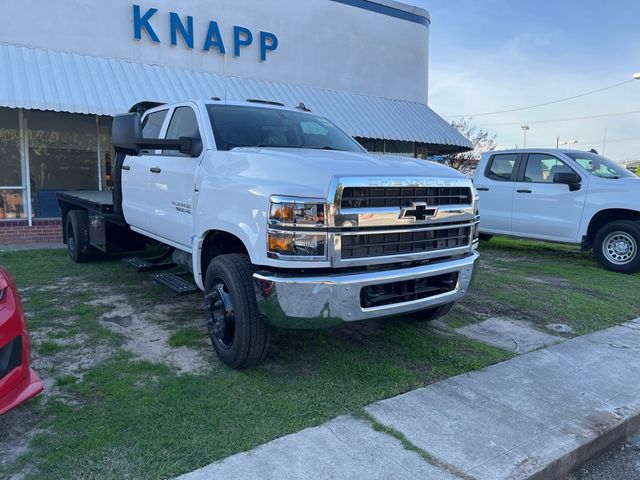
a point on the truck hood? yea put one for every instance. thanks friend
(312, 170)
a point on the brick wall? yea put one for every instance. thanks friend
(18, 232)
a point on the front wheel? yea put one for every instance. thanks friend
(616, 245)
(433, 313)
(239, 335)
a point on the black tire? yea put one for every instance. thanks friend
(616, 246)
(485, 237)
(239, 335)
(78, 244)
(433, 313)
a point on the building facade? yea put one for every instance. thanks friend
(66, 68)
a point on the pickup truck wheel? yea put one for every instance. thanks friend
(433, 313)
(239, 335)
(78, 244)
(616, 246)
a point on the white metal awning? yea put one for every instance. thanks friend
(40, 79)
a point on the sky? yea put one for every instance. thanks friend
(495, 55)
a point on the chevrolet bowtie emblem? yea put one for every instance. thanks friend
(418, 211)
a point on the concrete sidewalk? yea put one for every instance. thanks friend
(539, 415)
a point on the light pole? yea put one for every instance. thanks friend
(568, 143)
(524, 131)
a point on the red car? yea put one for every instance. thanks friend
(18, 383)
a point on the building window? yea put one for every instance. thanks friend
(12, 191)
(63, 152)
(399, 147)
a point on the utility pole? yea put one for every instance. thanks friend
(557, 142)
(524, 130)
(604, 140)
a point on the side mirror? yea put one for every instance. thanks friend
(568, 178)
(127, 138)
(127, 134)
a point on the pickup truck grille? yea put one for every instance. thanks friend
(381, 244)
(379, 197)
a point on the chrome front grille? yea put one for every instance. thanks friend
(385, 220)
(378, 197)
(391, 243)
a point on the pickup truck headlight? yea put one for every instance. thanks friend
(296, 229)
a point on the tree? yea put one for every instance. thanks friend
(482, 141)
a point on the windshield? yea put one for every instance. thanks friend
(240, 126)
(600, 166)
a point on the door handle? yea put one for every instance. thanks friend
(155, 169)
(482, 189)
(524, 191)
(126, 167)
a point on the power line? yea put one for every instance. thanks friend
(560, 100)
(557, 120)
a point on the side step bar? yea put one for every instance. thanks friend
(174, 282)
(152, 264)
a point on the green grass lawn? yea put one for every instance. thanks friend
(110, 413)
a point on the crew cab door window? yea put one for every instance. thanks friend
(502, 168)
(152, 124)
(184, 123)
(541, 168)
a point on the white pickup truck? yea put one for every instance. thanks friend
(280, 218)
(566, 196)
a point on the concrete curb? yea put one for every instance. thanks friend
(537, 416)
(590, 450)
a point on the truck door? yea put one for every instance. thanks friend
(135, 176)
(542, 208)
(172, 181)
(495, 186)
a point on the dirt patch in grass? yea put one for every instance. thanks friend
(145, 336)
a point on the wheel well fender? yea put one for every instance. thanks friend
(610, 215)
(211, 244)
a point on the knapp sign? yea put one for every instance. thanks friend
(182, 32)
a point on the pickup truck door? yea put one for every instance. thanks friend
(496, 185)
(543, 209)
(135, 176)
(172, 181)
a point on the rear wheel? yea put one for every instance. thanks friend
(616, 246)
(239, 335)
(433, 313)
(77, 228)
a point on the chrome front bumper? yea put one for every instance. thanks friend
(307, 302)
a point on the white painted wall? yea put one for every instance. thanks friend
(321, 43)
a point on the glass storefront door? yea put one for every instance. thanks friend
(12, 188)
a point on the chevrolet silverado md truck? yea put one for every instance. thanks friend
(280, 218)
(565, 196)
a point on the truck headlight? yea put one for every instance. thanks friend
(294, 212)
(292, 233)
(312, 246)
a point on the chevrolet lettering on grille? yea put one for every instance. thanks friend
(418, 211)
